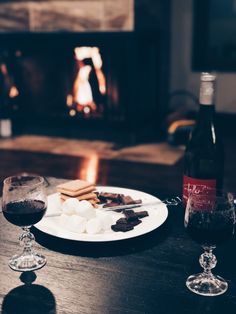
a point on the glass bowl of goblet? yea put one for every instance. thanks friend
(209, 221)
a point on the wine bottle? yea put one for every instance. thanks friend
(204, 154)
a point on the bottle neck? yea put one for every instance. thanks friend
(206, 100)
(207, 111)
(206, 115)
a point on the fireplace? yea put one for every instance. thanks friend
(75, 83)
(47, 69)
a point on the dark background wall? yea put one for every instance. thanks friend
(182, 76)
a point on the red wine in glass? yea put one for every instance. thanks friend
(24, 204)
(209, 220)
(24, 213)
(210, 229)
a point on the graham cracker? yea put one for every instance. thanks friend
(76, 193)
(88, 196)
(73, 187)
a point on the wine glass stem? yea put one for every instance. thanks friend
(26, 240)
(208, 260)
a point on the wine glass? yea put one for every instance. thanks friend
(24, 204)
(209, 220)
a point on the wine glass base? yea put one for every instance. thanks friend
(206, 285)
(25, 262)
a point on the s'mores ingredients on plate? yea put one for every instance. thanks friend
(81, 213)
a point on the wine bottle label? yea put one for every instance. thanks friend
(206, 93)
(190, 183)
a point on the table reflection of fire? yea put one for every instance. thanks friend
(89, 168)
(82, 98)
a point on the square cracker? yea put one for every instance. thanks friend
(76, 193)
(88, 196)
(72, 187)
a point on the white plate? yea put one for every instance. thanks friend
(157, 216)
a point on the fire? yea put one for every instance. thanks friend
(69, 100)
(13, 92)
(82, 96)
(8, 81)
(82, 89)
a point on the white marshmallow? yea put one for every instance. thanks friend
(106, 221)
(93, 226)
(69, 206)
(63, 219)
(54, 203)
(85, 209)
(76, 224)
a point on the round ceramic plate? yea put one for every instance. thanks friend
(157, 215)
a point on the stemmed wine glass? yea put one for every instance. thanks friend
(209, 220)
(24, 204)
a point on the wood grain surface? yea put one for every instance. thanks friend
(142, 275)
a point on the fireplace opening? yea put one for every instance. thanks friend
(68, 84)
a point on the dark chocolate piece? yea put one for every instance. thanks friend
(110, 204)
(134, 223)
(105, 196)
(126, 200)
(121, 227)
(130, 215)
(142, 214)
(122, 221)
(101, 200)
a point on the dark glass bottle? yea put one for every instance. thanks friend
(204, 155)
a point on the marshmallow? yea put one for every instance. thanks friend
(93, 226)
(63, 219)
(106, 221)
(85, 209)
(54, 203)
(76, 224)
(69, 206)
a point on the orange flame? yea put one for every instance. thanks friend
(13, 92)
(69, 100)
(82, 90)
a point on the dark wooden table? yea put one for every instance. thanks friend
(142, 275)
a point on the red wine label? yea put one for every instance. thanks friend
(192, 183)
